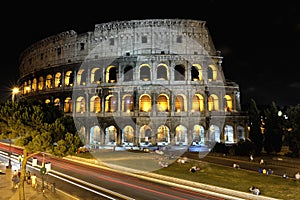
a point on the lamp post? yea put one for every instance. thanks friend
(15, 91)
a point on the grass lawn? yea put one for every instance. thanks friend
(217, 175)
(236, 179)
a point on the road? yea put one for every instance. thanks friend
(91, 183)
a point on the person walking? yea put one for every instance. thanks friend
(33, 181)
(15, 180)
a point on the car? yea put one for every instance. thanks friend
(2, 167)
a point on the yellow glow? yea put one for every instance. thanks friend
(15, 90)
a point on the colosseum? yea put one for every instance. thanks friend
(137, 83)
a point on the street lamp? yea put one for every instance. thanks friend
(15, 91)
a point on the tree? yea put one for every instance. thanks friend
(273, 130)
(255, 134)
(36, 127)
(293, 133)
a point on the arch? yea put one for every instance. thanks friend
(145, 135)
(214, 134)
(213, 103)
(41, 83)
(228, 134)
(197, 103)
(57, 102)
(241, 133)
(128, 73)
(111, 103)
(196, 72)
(95, 104)
(95, 135)
(180, 103)
(145, 103)
(47, 101)
(127, 103)
(111, 74)
(198, 135)
(227, 103)
(34, 84)
(57, 81)
(69, 78)
(81, 77)
(111, 135)
(211, 73)
(163, 135)
(96, 75)
(162, 72)
(179, 73)
(163, 103)
(68, 105)
(181, 136)
(80, 105)
(49, 81)
(128, 135)
(145, 72)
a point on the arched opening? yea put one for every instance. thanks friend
(145, 74)
(227, 103)
(57, 81)
(95, 104)
(68, 105)
(179, 73)
(228, 134)
(80, 105)
(163, 103)
(145, 135)
(128, 135)
(163, 135)
(111, 135)
(111, 74)
(213, 103)
(197, 103)
(180, 105)
(145, 103)
(127, 103)
(111, 103)
(96, 75)
(49, 81)
(181, 135)
(41, 83)
(128, 73)
(198, 135)
(162, 72)
(69, 78)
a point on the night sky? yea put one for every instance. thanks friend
(260, 41)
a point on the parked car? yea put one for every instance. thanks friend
(2, 167)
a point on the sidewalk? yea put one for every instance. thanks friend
(8, 193)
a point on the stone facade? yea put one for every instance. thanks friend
(138, 82)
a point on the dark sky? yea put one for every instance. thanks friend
(259, 40)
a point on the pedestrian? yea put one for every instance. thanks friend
(297, 176)
(284, 175)
(254, 190)
(261, 161)
(15, 180)
(28, 175)
(251, 158)
(33, 181)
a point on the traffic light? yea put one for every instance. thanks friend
(43, 170)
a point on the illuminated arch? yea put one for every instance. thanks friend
(181, 136)
(145, 135)
(213, 103)
(163, 135)
(34, 84)
(212, 73)
(197, 103)
(81, 77)
(49, 81)
(68, 105)
(127, 103)
(96, 75)
(69, 78)
(145, 103)
(196, 72)
(111, 103)
(41, 83)
(57, 81)
(80, 105)
(227, 103)
(111, 135)
(228, 134)
(111, 74)
(95, 104)
(163, 103)
(198, 135)
(180, 103)
(127, 135)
